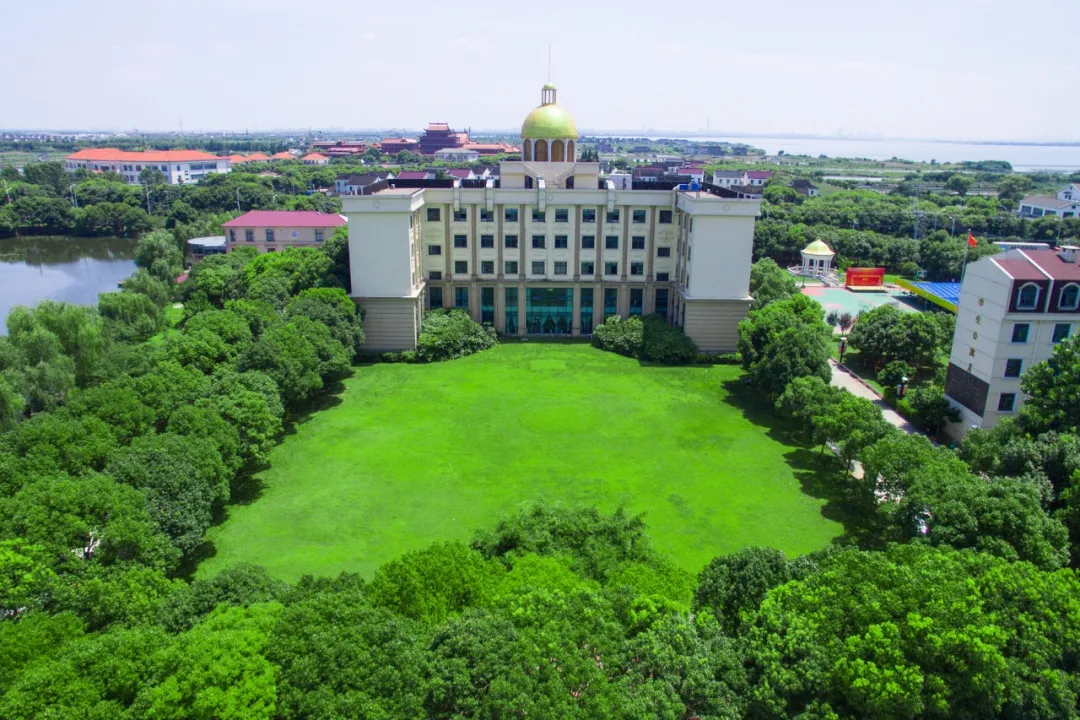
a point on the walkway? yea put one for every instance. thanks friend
(842, 377)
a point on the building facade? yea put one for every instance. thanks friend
(1065, 204)
(550, 249)
(178, 166)
(1014, 308)
(274, 230)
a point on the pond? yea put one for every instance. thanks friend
(68, 269)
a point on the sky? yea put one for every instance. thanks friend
(944, 69)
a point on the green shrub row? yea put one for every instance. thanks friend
(650, 338)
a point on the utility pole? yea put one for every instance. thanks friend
(74, 197)
(147, 199)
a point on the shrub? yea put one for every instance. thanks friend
(620, 336)
(449, 334)
(726, 359)
(665, 343)
(404, 356)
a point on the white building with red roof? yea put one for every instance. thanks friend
(1014, 308)
(315, 159)
(178, 166)
(273, 230)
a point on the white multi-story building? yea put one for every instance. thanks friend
(178, 166)
(550, 248)
(1065, 204)
(1014, 307)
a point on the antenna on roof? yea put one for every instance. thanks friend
(549, 62)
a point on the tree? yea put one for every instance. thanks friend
(286, 354)
(241, 585)
(930, 409)
(143, 283)
(92, 518)
(783, 341)
(341, 657)
(216, 670)
(769, 283)
(733, 586)
(893, 374)
(1012, 190)
(432, 584)
(333, 308)
(129, 316)
(337, 249)
(1002, 517)
(959, 184)
(157, 253)
(1053, 390)
(149, 177)
(201, 349)
(819, 646)
(183, 479)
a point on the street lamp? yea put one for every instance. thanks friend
(842, 348)
(901, 389)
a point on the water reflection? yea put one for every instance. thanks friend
(72, 270)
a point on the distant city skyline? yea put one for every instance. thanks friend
(951, 71)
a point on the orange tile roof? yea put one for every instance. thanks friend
(283, 156)
(314, 156)
(117, 155)
(257, 156)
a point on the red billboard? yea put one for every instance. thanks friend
(865, 277)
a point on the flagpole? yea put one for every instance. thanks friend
(967, 247)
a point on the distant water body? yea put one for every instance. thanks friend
(1060, 158)
(73, 270)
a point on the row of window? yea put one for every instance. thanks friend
(1068, 298)
(539, 267)
(249, 236)
(588, 215)
(611, 301)
(1021, 331)
(539, 242)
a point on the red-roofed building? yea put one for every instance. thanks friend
(315, 159)
(415, 175)
(1014, 308)
(439, 136)
(492, 148)
(461, 173)
(283, 155)
(178, 166)
(257, 156)
(392, 146)
(273, 230)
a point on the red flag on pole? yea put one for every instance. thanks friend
(971, 240)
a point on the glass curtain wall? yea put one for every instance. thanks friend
(511, 311)
(487, 305)
(661, 302)
(611, 302)
(586, 311)
(549, 311)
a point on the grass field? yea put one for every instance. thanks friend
(410, 454)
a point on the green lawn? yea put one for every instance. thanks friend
(410, 454)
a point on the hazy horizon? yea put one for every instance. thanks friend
(835, 69)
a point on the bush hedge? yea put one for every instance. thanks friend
(650, 338)
(449, 334)
(620, 336)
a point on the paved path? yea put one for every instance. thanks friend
(842, 377)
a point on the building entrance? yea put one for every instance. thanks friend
(549, 311)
